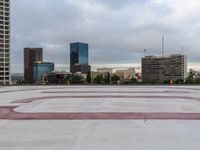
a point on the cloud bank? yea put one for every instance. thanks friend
(117, 31)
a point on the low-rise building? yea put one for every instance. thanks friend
(62, 77)
(195, 74)
(127, 74)
(105, 70)
(80, 68)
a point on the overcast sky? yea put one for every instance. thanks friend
(117, 31)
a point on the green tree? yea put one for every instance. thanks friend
(76, 80)
(190, 79)
(115, 79)
(107, 78)
(197, 81)
(20, 82)
(133, 81)
(99, 79)
(179, 81)
(67, 80)
(166, 82)
(154, 82)
(88, 78)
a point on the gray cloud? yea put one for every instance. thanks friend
(120, 4)
(117, 31)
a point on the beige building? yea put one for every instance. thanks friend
(94, 74)
(163, 68)
(101, 71)
(126, 74)
(105, 70)
(5, 42)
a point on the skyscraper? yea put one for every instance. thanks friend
(4, 42)
(31, 55)
(79, 58)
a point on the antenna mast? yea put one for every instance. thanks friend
(163, 45)
(145, 52)
(182, 49)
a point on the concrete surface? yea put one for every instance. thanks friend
(99, 118)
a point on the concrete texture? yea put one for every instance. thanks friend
(99, 118)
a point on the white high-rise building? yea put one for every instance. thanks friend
(162, 68)
(4, 42)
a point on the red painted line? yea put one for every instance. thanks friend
(29, 100)
(86, 92)
(8, 114)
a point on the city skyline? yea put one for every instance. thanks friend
(118, 30)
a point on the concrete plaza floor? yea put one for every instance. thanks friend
(100, 118)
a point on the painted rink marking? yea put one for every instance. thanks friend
(29, 100)
(8, 112)
(121, 92)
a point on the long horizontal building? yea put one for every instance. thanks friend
(162, 68)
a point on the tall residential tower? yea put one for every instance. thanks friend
(4, 42)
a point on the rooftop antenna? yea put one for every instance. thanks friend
(182, 49)
(163, 45)
(145, 52)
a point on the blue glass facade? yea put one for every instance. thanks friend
(41, 68)
(79, 53)
(79, 57)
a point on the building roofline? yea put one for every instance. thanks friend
(33, 48)
(41, 62)
(79, 43)
(165, 56)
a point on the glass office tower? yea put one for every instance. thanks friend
(42, 68)
(4, 42)
(79, 58)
